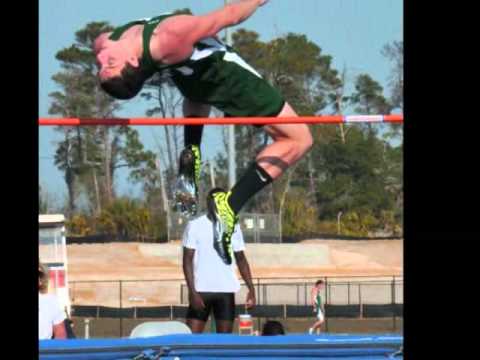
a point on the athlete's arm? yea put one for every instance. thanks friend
(313, 294)
(194, 298)
(246, 274)
(59, 331)
(177, 35)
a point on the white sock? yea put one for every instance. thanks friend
(310, 331)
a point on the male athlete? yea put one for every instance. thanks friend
(211, 283)
(317, 307)
(207, 73)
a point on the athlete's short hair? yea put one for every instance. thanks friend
(319, 282)
(127, 85)
(271, 328)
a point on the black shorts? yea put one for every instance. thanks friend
(222, 304)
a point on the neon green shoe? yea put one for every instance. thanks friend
(186, 188)
(197, 163)
(224, 226)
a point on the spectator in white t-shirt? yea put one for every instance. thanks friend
(50, 315)
(211, 283)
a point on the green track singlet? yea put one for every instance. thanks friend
(318, 302)
(214, 74)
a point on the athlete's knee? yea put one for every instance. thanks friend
(307, 142)
(304, 142)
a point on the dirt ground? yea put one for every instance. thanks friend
(130, 261)
(162, 262)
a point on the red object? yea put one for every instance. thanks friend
(246, 324)
(57, 278)
(334, 119)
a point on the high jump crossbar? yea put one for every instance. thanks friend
(327, 119)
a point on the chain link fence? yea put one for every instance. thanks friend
(293, 291)
(124, 303)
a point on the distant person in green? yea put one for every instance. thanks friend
(186, 49)
(317, 307)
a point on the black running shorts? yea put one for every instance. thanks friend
(222, 305)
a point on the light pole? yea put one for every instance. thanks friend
(232, 170)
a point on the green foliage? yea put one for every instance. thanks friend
(359, 223)
(299, 217)
(90, 156)
(125, 218)
(78, 225)
(368, 97)
(352, 175)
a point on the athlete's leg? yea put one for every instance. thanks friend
(186, 187)
(193, 133)
(224, 326)
(291, 143)
(197, 326)
(317, 325)
(224, 312)
(197, 318)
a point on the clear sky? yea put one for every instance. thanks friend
(352, 31)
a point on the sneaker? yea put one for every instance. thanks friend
(224, 226)
(186, 186)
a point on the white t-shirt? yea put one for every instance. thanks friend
(210, 273)
(49, 314)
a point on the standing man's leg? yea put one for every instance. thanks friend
(224, 312)
(197, 317)
(224, 326)
(197, 326)
(186, 188)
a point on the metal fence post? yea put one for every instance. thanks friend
(87, 328)
(394, 301)
(258, 292)
(121, 307)
(393, 291)
(181, 293)
(348, 289)
(327, 293)
(360, 299)
(306, 295)
(298, 294)
(265, 294)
